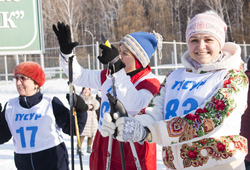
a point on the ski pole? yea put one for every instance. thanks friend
(123, 113)
(110, 142)
(106, 43)
(120, 143)
(77, 136)
(73, 114)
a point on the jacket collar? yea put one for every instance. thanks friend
(29, 101)
(231, 60)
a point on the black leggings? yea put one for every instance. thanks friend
(247, 164)
(55, 158)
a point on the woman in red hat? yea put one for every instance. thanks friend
(35, 121)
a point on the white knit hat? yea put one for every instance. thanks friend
(207, 23)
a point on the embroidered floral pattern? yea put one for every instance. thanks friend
(178, 127)
(204, 120)
(216, 149)
(168, 157)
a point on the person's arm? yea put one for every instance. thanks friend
(5, 134)
(220, 115)
(62, 116)
(136, 125)
(81, 77)
(134, 100)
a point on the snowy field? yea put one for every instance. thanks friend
(57, 88)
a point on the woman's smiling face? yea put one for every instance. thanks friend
(203, 48)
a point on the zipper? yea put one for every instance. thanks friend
(31, 160)
(26, 102)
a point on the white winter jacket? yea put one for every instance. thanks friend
(197, 114)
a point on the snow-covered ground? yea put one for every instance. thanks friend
(57, 88)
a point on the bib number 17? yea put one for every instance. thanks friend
(22, 133)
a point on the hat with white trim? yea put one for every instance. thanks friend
(142, 45)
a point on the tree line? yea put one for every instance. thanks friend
(116, 18)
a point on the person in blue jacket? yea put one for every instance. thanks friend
(34, 121)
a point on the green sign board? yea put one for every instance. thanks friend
(20, 27)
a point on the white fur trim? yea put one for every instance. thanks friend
(232, 60)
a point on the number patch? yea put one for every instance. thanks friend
(104, 108)
(173, 105)
(33, 130)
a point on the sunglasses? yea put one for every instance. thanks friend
(22, 78)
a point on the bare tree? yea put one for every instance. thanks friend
(115, 18)
(67, 11)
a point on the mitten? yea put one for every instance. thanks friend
(130, 129)
(111, 57)
(78, 103)
(64, 38)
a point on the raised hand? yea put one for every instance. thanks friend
(110, 56)
(63, 34)
(130, 129)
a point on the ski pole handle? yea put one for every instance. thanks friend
(121, 111)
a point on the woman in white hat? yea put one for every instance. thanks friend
(196, 117)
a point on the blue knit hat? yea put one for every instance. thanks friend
(142, 45)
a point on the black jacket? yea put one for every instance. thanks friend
(52, 158)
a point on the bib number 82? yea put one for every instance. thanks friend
(173, 105)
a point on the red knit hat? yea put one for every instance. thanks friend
(32, 70)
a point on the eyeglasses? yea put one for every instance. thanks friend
(22, 78)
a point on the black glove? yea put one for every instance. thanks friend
(78, 103)
(0, 107)
(64, 38)
(110, 56)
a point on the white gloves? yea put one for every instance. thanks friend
(129, 129)
(108, 127)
